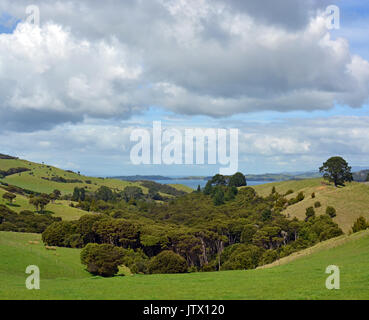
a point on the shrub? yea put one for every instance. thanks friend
(310, 212)
(102, 259)
(56, 233)
(331, 211)
(300, 196)
(289, 192)
(136, 261)
(243, 257)
(317, 204)
(25, 221)
(167, 262)
(268, 256)
(313, 195)
(360, 224)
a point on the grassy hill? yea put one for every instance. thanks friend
(63, 277)
(39, 179)
(351, 201)
(60, 208)
(33, 179)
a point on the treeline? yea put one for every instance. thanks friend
(243, 232)
(25, 221)
(11, 171)
(62, 180)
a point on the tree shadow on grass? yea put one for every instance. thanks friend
(45, 212)
(13, 205)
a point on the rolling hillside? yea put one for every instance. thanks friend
(36, 178)
(351, 201)
(63, 277)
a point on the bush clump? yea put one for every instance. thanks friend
(360, 224)
(310, 213)
(331, 211)
(167, 262)
(317, 204)
(102, 259)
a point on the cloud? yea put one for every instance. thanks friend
(103, 147)
(112, 60)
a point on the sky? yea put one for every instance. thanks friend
(73, 88)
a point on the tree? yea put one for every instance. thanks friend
(336, 170)
(104, 193)
(331, 211)
(102, 259)
(44, 200)
(167, 262)
(208, 188)
(360, 224)
(237, 180)
(310, 213)
(218, 197)
(57, 194)
(34, 201)
(9, 196)
(40, 202)
(219, 180)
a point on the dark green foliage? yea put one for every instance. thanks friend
(136, 261)
(7, 157)
(218, 198)
(9, 196)
(289, 192)
(331, 211)
(79, 194)
(12, 171)
(313, 195)
(219, 180)
(25, 221)
(268, 256)
(237, 180)
(336, 170)
(310, 213)
(58, 234)
(317, 204)
(102, 259)
(266, 215)
(248, 233)
(104, 193)
(360, 224)
(243, 257)
(167, 262)
(132, 193)
(300, 196)
(40, 202)
(206, 235)
(208, 188)
(118, 232)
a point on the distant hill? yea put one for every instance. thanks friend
(249, 177)
(361, 176)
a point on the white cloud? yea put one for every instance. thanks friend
(190, 57)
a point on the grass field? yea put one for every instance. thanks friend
(63, 277)
(32, 180)
(351, 201)
(60, 208)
